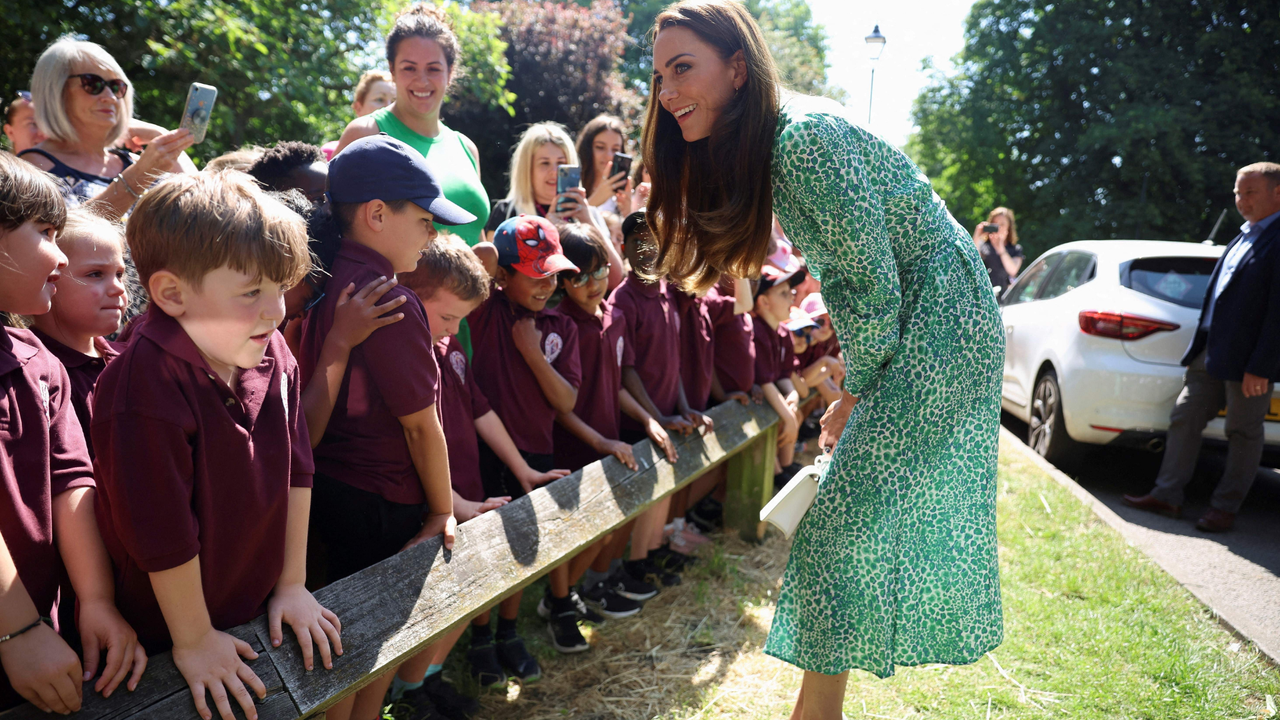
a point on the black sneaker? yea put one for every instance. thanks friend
(447, 701)
(649, 572)
(585, 613)
(418, 708)
(516, 658)
(666, 577)
(707, 514)
(622, 583)
(781, 479)
(564, 632)
(611, 604)
(485, 668)
(672, 560)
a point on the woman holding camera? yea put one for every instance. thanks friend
(895, 562)
(997, 241)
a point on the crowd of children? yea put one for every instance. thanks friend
(294, 407)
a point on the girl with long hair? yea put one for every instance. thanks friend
(895, 563)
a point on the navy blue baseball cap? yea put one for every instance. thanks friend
(380, 167)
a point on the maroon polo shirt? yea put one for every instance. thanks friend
(653, 332)
(775, 355)
(697, 348)
(602, 351)
(818, 350)
(734, 340)
(188, 466)
(507, 381)
(42, 455)
(461, 404)
(83, 370)
(393, 373)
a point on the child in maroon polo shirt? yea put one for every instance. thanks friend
(90, 304)
(735, 350)
(526, 363)
(202, 509)
(652, 376)
(591, 431)
(451, 282)
(774, 356)
(46, 480)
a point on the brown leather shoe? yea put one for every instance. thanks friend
(1151, 504)
(1216, 521)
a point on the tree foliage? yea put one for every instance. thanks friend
(564, 68)
(1103, 120)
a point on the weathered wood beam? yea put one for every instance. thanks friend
(392, 610)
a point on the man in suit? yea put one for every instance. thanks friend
(1233, 359)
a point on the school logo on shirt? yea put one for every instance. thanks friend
(459, 363)
(44, 397)
(620, 344)
(552, 347)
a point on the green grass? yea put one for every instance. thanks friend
(1093, 630)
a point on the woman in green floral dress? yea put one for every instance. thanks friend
(895, 564)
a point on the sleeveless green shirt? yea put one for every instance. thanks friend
(453, 166)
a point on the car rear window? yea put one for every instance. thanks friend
(1179, 280)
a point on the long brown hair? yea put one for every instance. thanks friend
(1008, 215)
(711, 207)
(587, 137)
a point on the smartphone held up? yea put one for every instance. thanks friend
(568, 177)
(199, 109)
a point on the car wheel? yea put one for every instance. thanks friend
(1047, 432)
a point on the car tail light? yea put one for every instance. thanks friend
(1121, 326)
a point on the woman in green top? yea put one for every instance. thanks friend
(895, 563)
(423, 54)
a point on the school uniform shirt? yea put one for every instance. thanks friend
(189, 466)
(602, 351)
(83, 370)
(507, 381)
(816, 351)
(734, 341)
(697, 349)
(653, 332)
(393, 373)
(775, 354)
(42, 455)
(461, 404)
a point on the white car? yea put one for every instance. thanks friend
(1095, 331)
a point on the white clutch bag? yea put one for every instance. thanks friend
(788, 507)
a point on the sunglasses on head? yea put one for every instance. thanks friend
(25, 95)
(801, 332)
(318, 295)
(95, 84)
(599, 273)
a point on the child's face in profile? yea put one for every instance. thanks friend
(445, 312)
(529, 293)
(800, 342)
(231, 317)
(91, 295)
(411, 232)
(590, 293)
(775, 303)
(640, 251)
(30, 264)
(824, 331)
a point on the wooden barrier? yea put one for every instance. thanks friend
(392, 610)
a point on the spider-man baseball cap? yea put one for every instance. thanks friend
(531, 245)
(380, 167)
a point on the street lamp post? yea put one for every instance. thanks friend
(875, 46)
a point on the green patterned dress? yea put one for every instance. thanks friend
(896, 563)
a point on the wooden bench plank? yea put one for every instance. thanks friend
(392, 610)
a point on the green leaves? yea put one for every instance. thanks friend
(1122, 119)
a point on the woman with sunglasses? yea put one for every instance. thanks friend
(895, 562)
(84, 104)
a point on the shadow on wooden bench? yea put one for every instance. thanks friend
(392, 610)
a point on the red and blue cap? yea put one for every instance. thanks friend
(531, 245)
(380, 167)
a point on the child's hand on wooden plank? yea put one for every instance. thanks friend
(311, 622)
(102, 628)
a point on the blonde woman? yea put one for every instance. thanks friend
(84, 104)
(997, 241)
(543, 148)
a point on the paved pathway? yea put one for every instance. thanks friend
(1237, 574)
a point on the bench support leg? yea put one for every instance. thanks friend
(750, 486)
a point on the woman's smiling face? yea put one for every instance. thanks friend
(692, 81)
(546, 159)
(422, 75)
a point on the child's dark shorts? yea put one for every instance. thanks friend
(499, 480)
(358, 528)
